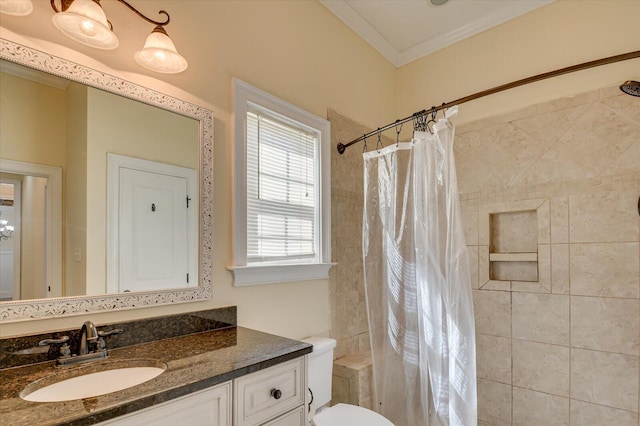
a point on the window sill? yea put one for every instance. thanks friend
(271, 274)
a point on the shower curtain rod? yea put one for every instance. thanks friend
(586, 65)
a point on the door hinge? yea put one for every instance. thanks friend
(187, 278)
(188, 199)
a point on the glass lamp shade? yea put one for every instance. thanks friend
(85, 22)
(159, 54)
(16, 7)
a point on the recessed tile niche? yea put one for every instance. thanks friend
(514, 252)
(513, 246)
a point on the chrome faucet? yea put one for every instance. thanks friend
(88, 338)
(91, 345)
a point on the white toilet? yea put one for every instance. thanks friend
(320, 375)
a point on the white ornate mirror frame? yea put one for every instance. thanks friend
(67, 306)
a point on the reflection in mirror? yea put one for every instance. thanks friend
(75, 232)
(32, 256)
(84, 125)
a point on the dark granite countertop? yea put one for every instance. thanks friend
(194, 362)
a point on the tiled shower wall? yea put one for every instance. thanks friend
(346, 281)
(565, 349)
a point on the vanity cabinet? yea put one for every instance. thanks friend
(210, 407)
(274, 396)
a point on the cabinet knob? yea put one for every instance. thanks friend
(276, 393)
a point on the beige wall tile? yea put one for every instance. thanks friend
(601, 135)
(565, 106)
(492, 311)
(344, 346)
(472, 256)
(493, 358)
(366, 403)
(560, 268)
(494, 402)
(625, 106)
(534, 409)
(514, 232)
(544, 223)
(339, 390)
(604, 217)
(364, 342)
(484, 219)
(605, 378)
(583, 413)
(606, 324)
(604, 269)
(365, 385)
(544, 266)
(559, 219)
(483, 265)
(497, 285)
(528, 287)
(541, 367)
(541, 318)
(516, 271)
(470, 222)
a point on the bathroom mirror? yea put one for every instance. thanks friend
(144, 130)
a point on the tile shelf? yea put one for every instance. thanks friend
(513, 257)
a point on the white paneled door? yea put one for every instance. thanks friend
(152, 226)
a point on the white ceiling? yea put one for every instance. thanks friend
(405, 30)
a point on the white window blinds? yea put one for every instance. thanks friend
(282, 194)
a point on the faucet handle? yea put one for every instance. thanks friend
(109, 332)
(65, 350)
(47, 342)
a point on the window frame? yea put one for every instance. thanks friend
(267, 273)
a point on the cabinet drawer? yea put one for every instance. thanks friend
(268, 393)
(293, 418)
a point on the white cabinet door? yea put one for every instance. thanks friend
(209, 407)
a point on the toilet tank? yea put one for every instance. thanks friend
(320, 369)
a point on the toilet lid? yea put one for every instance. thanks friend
(349, 415)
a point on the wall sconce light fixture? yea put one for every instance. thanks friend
(16, 7)
(85, 22)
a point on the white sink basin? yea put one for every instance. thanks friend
(111, 377)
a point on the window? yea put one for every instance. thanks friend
(281, 190)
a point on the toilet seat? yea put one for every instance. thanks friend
(349, 415)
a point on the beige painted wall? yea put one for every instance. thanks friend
(296, 50)
(20, 101)
(75, 192)
(561, 34)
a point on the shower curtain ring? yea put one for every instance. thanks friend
(379, 144)
(398, 130)
(364, 148)
(432, 120)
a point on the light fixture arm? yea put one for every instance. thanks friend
(64, 5)
(151, 21)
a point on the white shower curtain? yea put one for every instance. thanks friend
(417, 283)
